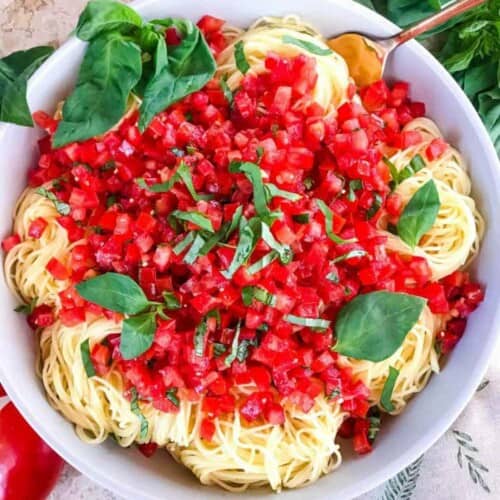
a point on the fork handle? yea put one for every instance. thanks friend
(435, 20)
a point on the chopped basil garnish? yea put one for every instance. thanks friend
(393, 171)
(199, 337)
(87, 362)
(386, 396)
(301, 218)
(377, 203)
(262, 263)
(171, 395)
(110, 200)
(334, 394)
(223, 233)
(228, 94)
(260, 153)
(27, 308)
(196, 218)
(358, 325)
(240, 58)
(219, 349)
(242, 351)
(309, 46)
(135, 408)
(234, 346)
(61, 207)
(184, 243)
(349, 255)
(248, 293)
(354, 185)
(273, 191)
(416, 164)
(419, 214)
(284, 251)
(328, 214)
(333, 277)
(195, 251)
(374, 418)
(309, 322)
(178, 152)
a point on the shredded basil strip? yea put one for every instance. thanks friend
(234, 346)
(273, 191)
(223, 233)
(195, 251)
(248, 293)
(196, 218)
(333, 277)
(284, 251)
(263, 262)
(328, 214)
(309, 322)
(219, 349)
(354, 185)
(61, 207)
(301, 218)
(242, 351)
(386, 396)
(377, 203)
(27, 308)
(393, 171)
(228, 94)
(184, 243)
(135, 408)
(240, 58)
(254, 175)
(309, 46)
(349, 255)
(87, 362)
(171, 395)
(199, 337)
(246, 244)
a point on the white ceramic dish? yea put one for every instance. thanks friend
(402, 440)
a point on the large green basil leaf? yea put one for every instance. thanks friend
(374, 325)
(186, 69)
(15, 71)
(137, 334)
(102, 16)
(419, 214)
(110, 69)
(117, 292)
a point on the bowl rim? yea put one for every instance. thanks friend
(427, 439)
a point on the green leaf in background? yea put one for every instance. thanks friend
(15, 71)
(489, 110)
(110, 69)
(102, 16)
(186, 69)
(137, 334)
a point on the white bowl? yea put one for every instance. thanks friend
(401, 440)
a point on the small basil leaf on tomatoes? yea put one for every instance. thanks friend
(248, 293)
(110, 69)
(419, 214)
(15, 71)
(234, 346)
(309, 46)
(284, 251)
(328, 215)
(116, 292)
(186, 68)
(136, 409)
(61, 207)
(373, 326)
(390, 383)
(101, 16)
(240, 58)
(137, 334)
(87, 362)
(195, 218)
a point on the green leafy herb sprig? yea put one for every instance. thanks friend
(124, 55)
(120, 293)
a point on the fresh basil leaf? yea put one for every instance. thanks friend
(186, 69)
(184, 243)
(61, 207)
(15, 71)
(87, 362)
(328, 214)
(110, 69)
(199, 337)
(137, 334)
(234, 346)
(246, 244)
(195, 251)
(196, 218)
(248, 293)
(273, 191)
(284, 251)
(171, 395)
(254, 175)
(219, 349)
(116, 292)
(228, 94)
(184, 174)
(240, 58)
(135, 408)
(301, 218)
(309, 322)
(223, 233)
(101, 16)
(386, 396)
(349, 255)
(373, 326)
(171, 301)
(243, 349)
(419, 214)
(263, 262)
(417, 163)
(309, 46)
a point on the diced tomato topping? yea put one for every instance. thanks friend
(58, 270)
(436, 149)
(37, 227)
(10, 242)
